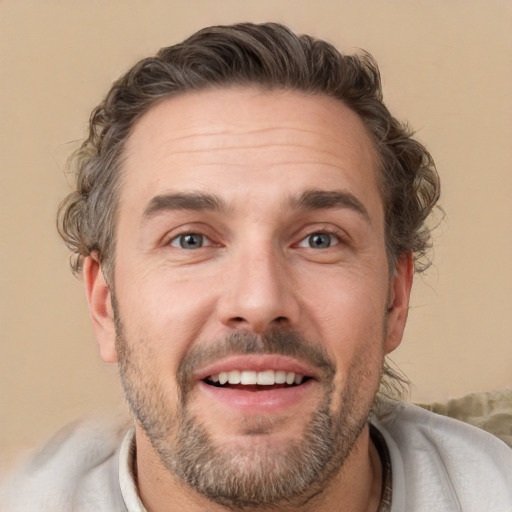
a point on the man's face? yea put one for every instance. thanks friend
(250, 247)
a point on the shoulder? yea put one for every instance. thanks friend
(443, 464)
(77, 469)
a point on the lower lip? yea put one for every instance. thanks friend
(270, 401)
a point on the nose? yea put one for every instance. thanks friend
(258, 293)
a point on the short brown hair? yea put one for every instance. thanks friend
(270, 56)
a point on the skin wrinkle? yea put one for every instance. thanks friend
(252, 131)
(282, 148)
(235, 130)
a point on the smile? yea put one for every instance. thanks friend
(252, 378)
(257, 383)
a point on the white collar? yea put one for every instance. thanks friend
(126, 477)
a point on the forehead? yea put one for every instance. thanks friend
(236, 139)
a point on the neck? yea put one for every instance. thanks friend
(356, 487)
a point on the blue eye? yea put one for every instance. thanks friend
(190, 241)
(319, 241)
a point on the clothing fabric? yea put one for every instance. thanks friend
(437, 464)
(441, 464)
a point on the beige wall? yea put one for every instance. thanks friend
(446, 68)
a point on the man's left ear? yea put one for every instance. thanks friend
(398, 301)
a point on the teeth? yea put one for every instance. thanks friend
(264, 378)
(280, 377)
(234, 377)
(248, 378)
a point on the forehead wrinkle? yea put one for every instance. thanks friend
(287, 147)
(238, 130)
(326, 157)
(214, 128)
(244, 140)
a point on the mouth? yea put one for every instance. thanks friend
(258, 383)
(253, 381)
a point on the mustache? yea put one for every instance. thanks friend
(276, 341)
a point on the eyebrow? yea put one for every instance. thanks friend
(329, 199)
(183, 201)
(308, 200)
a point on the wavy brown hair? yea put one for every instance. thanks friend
(269, 56)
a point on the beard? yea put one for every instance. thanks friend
(244, 475)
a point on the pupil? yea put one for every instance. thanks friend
(192, 241)
(319, 240)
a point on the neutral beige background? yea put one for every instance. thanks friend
(446, 67)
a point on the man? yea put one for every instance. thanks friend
(247, 220)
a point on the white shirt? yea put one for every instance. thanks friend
(443, 465)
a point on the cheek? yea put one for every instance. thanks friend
(161, 319)
(164, 312)
(356, 385)
(351, 325)
(348, 307)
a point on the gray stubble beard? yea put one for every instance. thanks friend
(236, 477)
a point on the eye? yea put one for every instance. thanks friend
(190, 241)
(319, 241)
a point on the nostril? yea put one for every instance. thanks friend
(256, 324)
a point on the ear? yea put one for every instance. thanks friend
(100, 308)
(398, 301)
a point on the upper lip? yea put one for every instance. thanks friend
(257, 363)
